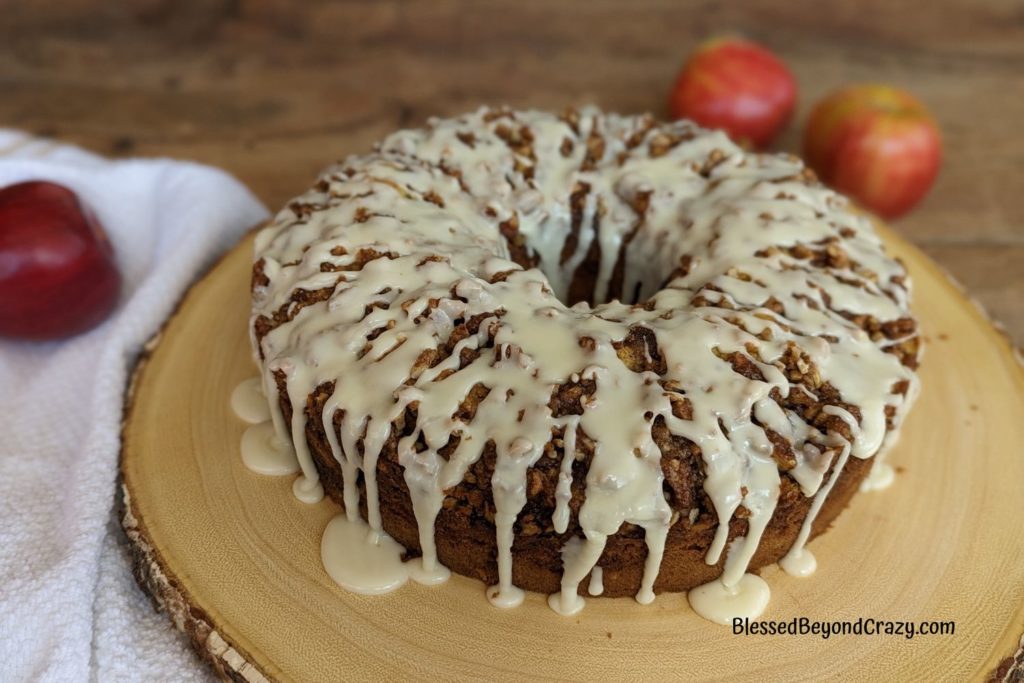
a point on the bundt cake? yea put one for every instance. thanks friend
(581, 352)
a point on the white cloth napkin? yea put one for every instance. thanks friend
(69, 608)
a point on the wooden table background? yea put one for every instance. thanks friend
(273, 90)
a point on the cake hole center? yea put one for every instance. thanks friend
(592, 275)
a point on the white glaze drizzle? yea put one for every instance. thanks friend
(799, 561)
(563, 490)
(433, 201)
(596, 586)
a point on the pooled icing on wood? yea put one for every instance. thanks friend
(368, 562)
(264, 452)
(249, 403)
(408, 242)
(361, 560)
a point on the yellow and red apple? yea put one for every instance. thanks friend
(875, 143)
(737, 86)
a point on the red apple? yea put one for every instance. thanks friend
(57, 271)
(737, 86)
(875, 143)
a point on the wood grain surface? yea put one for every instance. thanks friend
(234, 557)
(272, 90)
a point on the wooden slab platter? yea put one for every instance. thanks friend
(234, 558)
